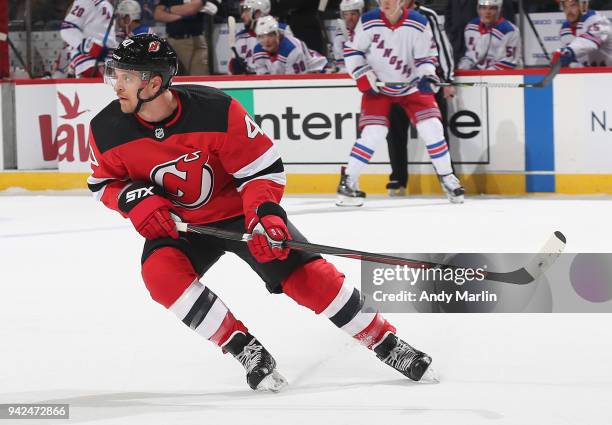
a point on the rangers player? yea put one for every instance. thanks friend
(350, 12)
(87, 28)
(394, 44)
(278, 53)
(129, 15)
(491, 41)
(246, 40)
(194, 152)
(586, 36)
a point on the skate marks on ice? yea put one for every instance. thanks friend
(63, 232)
(93, 405)
(307, 392)
(308, 372)
(371, 205)
(310, 389)
(333, 399)
(316, 368)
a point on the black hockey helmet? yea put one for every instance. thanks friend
(147, 53)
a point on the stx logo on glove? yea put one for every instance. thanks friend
(148, 210)
(141, 192)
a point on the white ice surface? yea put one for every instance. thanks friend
(77, 325)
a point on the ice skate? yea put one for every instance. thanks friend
(407, 360)
(395, 189)
(348, 193)
(452, 187)
(258, 362)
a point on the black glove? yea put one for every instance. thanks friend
(237, 66)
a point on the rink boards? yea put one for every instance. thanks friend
(503, 141)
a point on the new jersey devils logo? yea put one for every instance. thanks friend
(188, 180)
(154, 46)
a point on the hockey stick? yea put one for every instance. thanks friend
(231, 41)
(554, 70)
(19, 57)
(522, 13)
(321, 22)
(105, 39)
(231, 36)
(532, 271)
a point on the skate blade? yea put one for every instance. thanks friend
(274, 382)
(396, 192)
(453, 198)
(347, 201)
(456, 199)
(430, 377)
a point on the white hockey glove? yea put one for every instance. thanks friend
(210, 8)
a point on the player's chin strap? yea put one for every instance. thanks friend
(142, 101)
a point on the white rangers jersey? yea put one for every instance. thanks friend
(590, 39)
(88, 20)
(403, 52)
(339, 41)
(293, 57)
(494, 47)
(246, 40)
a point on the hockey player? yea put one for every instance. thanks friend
(394, 44)
(246, 40)
(278, 53)
(397, 139)
(87, 28)
(129, 15)
(585, 35)
(350, 12)
(193, 152)
(491, 41)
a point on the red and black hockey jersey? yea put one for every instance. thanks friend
(210, 157)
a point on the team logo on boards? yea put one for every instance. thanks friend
(71, 108)
(68, 137)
